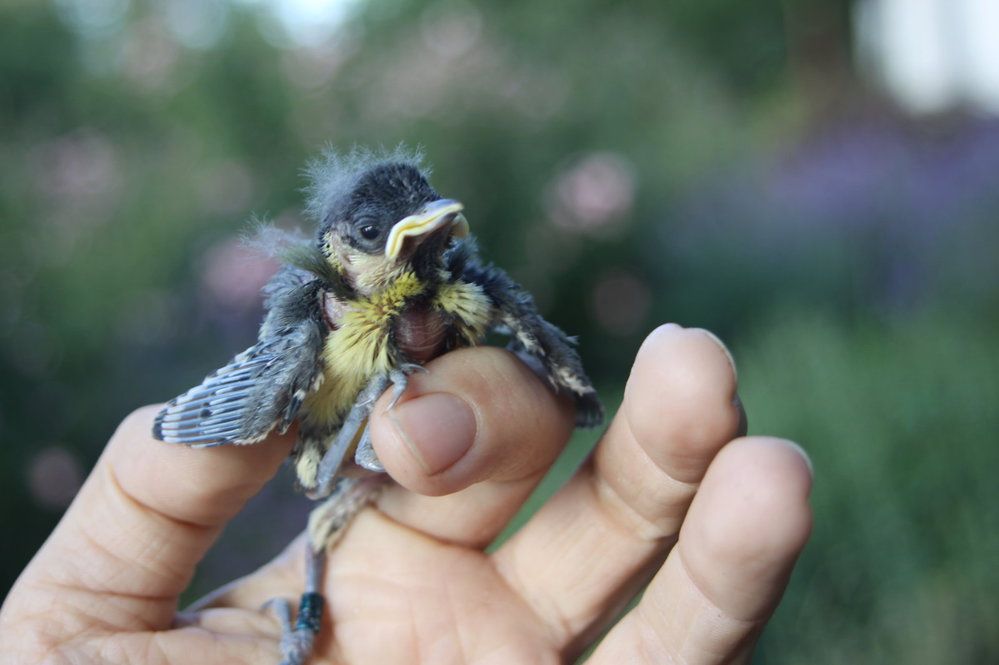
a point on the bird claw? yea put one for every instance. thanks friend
(365, 456)
(296, 643)
(297, 639)
(281, 609)
(400, 379)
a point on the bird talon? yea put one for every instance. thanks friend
(281, 609)
(397, 390)
(400, 380)
(396, 394)
(296, 640)
(365, 456)
(296, 647)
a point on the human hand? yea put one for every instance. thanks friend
(670, 494)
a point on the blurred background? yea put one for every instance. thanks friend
(818, 182)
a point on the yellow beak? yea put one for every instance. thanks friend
(433, 216)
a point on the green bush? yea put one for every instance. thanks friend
(900, 421)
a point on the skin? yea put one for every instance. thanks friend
(672, 494)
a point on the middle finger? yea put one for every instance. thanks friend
(587, 549)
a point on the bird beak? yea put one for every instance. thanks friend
(435, 215)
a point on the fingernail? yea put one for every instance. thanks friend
(804, 456)
(728, 354)
(439, 429)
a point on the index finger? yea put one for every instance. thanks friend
(129, 543)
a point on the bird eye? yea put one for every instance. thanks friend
(369, 232)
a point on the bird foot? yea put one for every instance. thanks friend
(329, 466)
(400, 380)
(365, 456)
(296, 641)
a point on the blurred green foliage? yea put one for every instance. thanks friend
(900, 423)
(717, 163)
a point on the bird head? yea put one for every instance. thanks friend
(383, 220)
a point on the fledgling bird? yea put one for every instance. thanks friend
(392, 280)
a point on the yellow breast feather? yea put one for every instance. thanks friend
(358, 349)
(470, 307)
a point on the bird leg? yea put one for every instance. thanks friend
(297, 639)
(365, 456)
(326, 525)
(332, 460)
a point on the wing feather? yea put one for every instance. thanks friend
(261, 388)
(533, 338)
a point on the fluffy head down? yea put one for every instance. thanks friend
(334, 176)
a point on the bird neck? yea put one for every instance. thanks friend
(371, 277)
(372, 274)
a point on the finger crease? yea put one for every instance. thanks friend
(699, 589)
(146, 507)
(115, 558)
(622, 514)
(691, 485)
(93, 587)
(652, 527)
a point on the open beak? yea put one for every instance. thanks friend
(435, 215)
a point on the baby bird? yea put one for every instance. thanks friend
(392, 280)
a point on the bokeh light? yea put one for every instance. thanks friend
(234, 272)
(54, 477)
(594, 193)
(621, 303)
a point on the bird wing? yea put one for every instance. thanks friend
(263, 387)
(541, 344)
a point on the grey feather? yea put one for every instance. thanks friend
(263, 387)
(531, 334)
(295, 250)
(335, 173)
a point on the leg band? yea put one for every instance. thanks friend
(310, 612)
